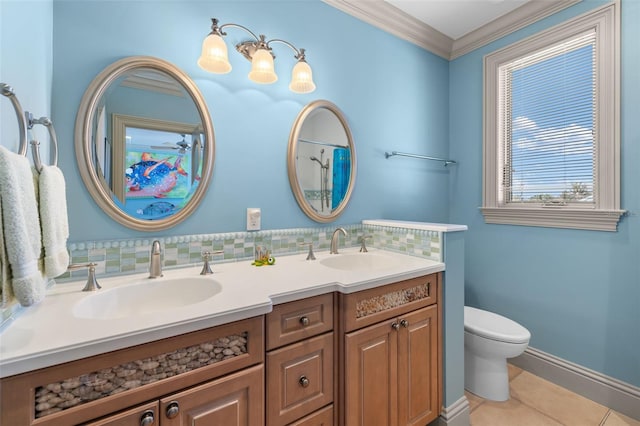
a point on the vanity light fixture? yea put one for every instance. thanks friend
(214, 58)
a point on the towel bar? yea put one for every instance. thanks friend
(35, 145)
(7, 91)
(26, 123)
(423, 157)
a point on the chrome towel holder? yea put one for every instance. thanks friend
(26, 123)
(422, 157)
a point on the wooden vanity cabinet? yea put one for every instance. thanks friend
(300, 371)
(207, 391)
(391, 365)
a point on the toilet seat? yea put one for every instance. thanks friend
(493, 326)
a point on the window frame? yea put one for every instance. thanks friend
(606, 213)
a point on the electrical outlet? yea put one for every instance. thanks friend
(253, 219)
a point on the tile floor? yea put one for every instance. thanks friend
(538, 402)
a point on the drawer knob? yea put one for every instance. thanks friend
(304, 382)
(173, 409)
(304, 321)
(404, 323)
(147, 418)
(395, 326)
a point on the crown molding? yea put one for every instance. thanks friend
(394, 21)
(389, 18)
(526, 14)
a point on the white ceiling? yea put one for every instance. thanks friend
(456, 18)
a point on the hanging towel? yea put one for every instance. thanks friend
(52, 199)
(21, 227)
(6, 292)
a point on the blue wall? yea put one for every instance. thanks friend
(578, 292)
(392, 102)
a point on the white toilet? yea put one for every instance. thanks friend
(489, 339)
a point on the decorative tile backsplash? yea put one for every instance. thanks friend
(116, 257)
(129, 256)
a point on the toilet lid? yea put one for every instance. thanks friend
(493, 326)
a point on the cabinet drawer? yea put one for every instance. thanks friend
(381, 303)
(294, 321)
(133, 416)
(300, 378)
(322, 417)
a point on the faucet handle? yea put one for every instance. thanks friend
(363, 247)
(310, 255)
(92, 283)
(206, 256)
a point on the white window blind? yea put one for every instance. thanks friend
(547, 124)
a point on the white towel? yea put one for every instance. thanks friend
(53, 220)
(6, 292)
(21, 227)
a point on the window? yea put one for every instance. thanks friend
(551, 135)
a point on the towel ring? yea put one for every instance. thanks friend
(22, 122)
(35, 145)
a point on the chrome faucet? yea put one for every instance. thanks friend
(155, 263)
(335, 238)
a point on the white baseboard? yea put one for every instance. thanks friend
(615, 394)
(457, 414)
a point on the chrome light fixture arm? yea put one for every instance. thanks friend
(214, 58)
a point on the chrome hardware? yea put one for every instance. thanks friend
(404, 323)
(305, 321)
(206, 256)
(147, 418)
(173, 409)
(310, 255)
(363, 247)
(92, 283)
(155, 261)
(335, 239)
(395, 326)
(304, 382)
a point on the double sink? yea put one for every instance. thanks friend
(145, 296)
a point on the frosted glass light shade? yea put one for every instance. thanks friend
(262, 70)
(214, 57)
(302, 78)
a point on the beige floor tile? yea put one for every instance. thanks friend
(564, 406)
(617, 419)
(509, 413)
(513, 371)
(474, 400)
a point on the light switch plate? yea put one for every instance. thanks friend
(253, 219)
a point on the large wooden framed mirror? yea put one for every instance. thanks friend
(145, 143)
(321, 161)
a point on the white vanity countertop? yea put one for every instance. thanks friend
(424, 226)
(50, 333)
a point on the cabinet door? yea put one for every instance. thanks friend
(300, 378)
(234, 400)
(418, 367)
(371, 376)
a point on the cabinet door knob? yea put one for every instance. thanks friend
(404, 323)
(147, 418)
(304, 382)
(395, 325)
(304, 321)
(173, 409)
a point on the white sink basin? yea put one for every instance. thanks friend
(144, 297)
(357, 261)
